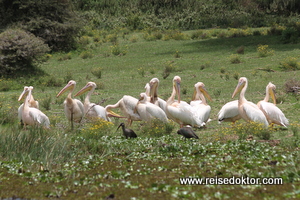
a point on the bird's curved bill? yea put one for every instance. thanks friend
(83, 90)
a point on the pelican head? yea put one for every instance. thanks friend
(24, 93)
(241, 84)
(176, 85)
(89, 86)
(153, 89)
(200, 87)
(70, 86)
(271, 89)
(143, 97)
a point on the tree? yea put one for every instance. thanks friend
(19, 51)
(52, 20)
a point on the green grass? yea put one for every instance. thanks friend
(95, 160)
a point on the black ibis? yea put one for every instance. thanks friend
(128, 133)
(187, 132)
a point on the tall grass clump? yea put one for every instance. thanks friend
(34, 144)
(46, 102)
(157, 128)
(93, 132)
(251, 129)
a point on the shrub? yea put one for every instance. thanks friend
(117, 50)
(67, 56)
(235, 59)
(169, 67)
(20, 51)
(56, 23)
(86, 54)
(244, 130)
(264, 51)
(97, 72)
(240, 50)
(292, 85)
(290, 64)
(157, 129)
(290, 35)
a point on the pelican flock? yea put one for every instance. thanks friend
(31, 102)
(92, 110)
(149, 106)
(180, 111)
(247, 109)
(30, 115)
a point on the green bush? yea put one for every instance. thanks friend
(20, 51)
(290, 64)
(55, 22)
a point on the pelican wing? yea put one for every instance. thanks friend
(39, 117)
(161, 103)
(274, 114)
(229, 110)
(156, 112)
(254, 113)
(184, 113)
(80, 105)
(129, 104)
(98, 111)
(203, 112)
(195, 102)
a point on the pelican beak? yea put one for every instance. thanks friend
(204, 91)
(238, 88)
(194, 95)
(153, 93)
(272, 93)
(22, 96)
(69, 86)
(177, 88)
(112, 114)
(83, 90)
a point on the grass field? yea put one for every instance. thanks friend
(94, 160)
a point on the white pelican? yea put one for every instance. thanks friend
(154, 82)
(199, 102)
(32, 116)
(248, 110)
(31, 103)
(180, 111)
(229, 112)
(271, 111)
(149, 111)
(127, 105)
(73, 108)
(92, 110)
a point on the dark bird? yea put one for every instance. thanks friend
(187, 132)
(111, 196)
(128, 133)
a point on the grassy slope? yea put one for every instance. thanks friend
(153, 169)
